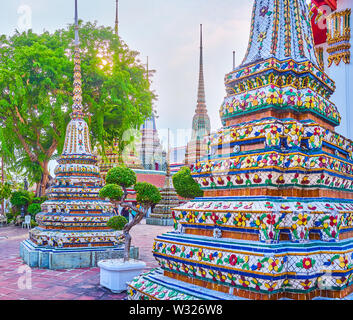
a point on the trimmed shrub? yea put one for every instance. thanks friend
(117, 222)
(121, 176)
(147, 193)
(185, 185)
(111, 191)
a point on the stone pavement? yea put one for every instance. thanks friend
(18, 282)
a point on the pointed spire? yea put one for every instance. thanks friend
(201, 91)
(168, 184)
(117, 17)
(201, 122)
(77, 99)
(77, 39)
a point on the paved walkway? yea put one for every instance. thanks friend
(18, 282)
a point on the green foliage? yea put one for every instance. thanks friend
(5, 191)
(147, 193)
(39, 200)
(20, 198)
(36, 84)
(117, 222)
(185, 185)
(121, 176)
(33, 223)
(111, 191)
(10, 216)
(33, 209)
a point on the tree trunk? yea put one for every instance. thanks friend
(137, 219)
(42, 185)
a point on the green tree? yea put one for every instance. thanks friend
(36, 83)
(21, 198)
(185, 186)
(147, 195)
(5, 193)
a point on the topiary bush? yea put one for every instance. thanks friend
(118, 181)
(147, 194)
(117, 222)
(121, 176)
(185, 186)
(111, 191)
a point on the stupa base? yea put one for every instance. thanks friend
(166, 288)
(69, 258)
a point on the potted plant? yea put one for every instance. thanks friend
(115, 273)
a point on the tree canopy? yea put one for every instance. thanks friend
(36, 84)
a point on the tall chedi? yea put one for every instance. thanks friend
(201, 126)
(276, 220)
(162, 212)
(72, 228)
(149, 147)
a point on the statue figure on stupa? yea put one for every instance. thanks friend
(276, 219)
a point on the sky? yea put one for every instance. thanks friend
(168, 33)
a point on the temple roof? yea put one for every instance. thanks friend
(279, 30)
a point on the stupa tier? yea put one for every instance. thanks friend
(276, 220)
(162, 213)
(72, 228)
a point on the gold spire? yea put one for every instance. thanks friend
(77, 99)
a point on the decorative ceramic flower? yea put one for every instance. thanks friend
(263, 11)
(233, 259)
(307, 263)
(273, 264)
(343, 261)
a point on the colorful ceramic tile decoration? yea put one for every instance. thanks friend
(276, 219)
(338, 37)
(72, 227)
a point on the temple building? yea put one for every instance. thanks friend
(149, 148)
(276, 219)
(72, 227)
(201, 125)
(332, 21)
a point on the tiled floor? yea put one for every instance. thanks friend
(18, 282)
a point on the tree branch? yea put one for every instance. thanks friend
(31, 155)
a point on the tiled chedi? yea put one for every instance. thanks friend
(74, 217)
(276, 219)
